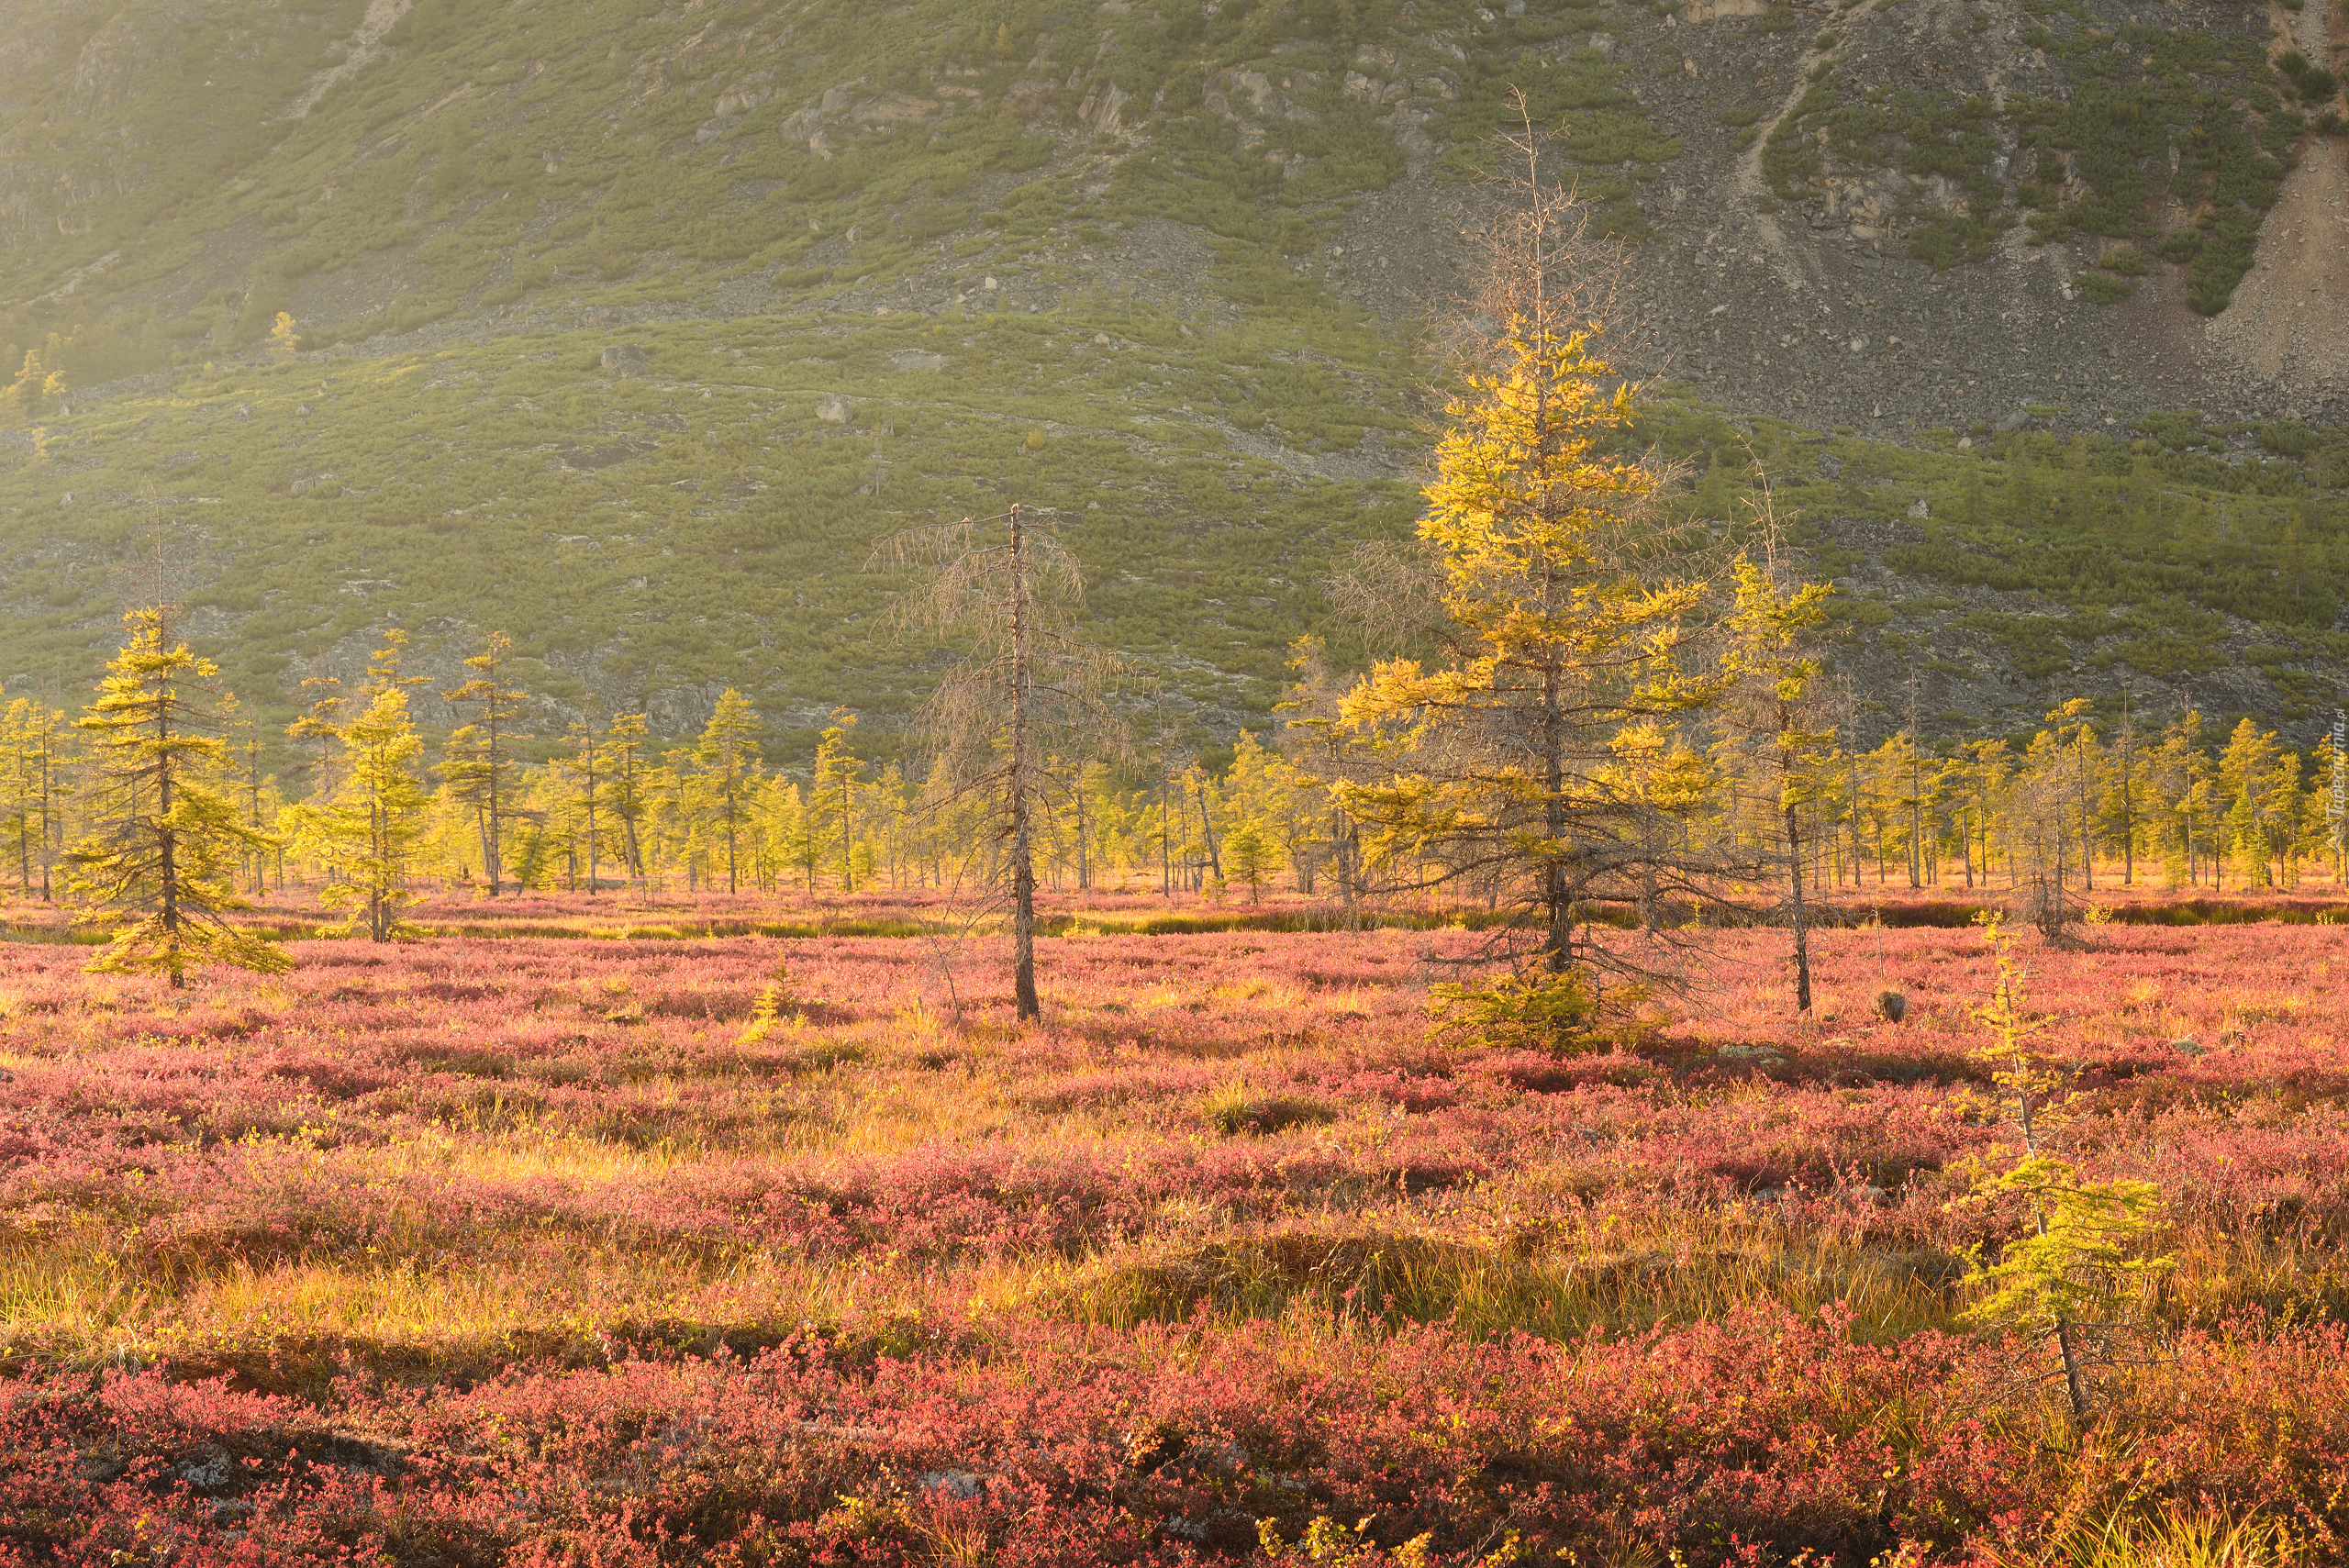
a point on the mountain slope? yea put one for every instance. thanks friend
(631, 326)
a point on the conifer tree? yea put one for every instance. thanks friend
(726, 762)
(1774, 686)
(887, 806)
(2123, 803)
(247, 782)
(2075, 1278)
(1261, 798)
(2253, 774)
(2246, 843)
(318, 724)
(2322, 815)
(1009, 589)
(832, 797)
(1329, 752)
(678, 804)
(23, 396)
(20, 779)
(624, 783)
(368, 833)
(1558, 605)
(799, 834)
(2081, 767)
(478, 764)
(47, 740)
(163, 840)
(588, 764)
(1254, 852)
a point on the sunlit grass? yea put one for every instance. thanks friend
(1685, 1268)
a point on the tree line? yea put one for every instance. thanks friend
(1575, 702)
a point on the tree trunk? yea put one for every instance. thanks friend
(2075, 1385)
(2086, 841)
(1557, 907)
(1802, 937)
(491, 860)
(48, 835)
(1916, 806)
(377, 926)
(166, 841)
(1206, 833)
(1023, 863)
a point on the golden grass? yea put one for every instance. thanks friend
(1680, 1269)
(295, 1325)
(2173, 1536)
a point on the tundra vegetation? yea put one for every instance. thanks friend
(1546, 1101)
(1560, 1088)
(678, 309)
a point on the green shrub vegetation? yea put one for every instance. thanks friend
(2154, 116)
(2136, 549)
(462, 228)
(778, 207)
(2157, 114)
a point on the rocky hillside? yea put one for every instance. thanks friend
(1935, 213)
(630, 326)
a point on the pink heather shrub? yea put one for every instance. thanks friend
(588, 1116)
(1166, 1443)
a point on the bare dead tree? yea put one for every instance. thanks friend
(169, 563)
(1539, 259)
(1008, 590)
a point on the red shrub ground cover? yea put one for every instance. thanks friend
(538, 1249)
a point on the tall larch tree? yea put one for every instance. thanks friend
(368, 834)
(163, 843)
(624, 784)
(1774, 702)
(589, 767)
(479, 764)
(1555, 595)
(833, 795)
(726, 761)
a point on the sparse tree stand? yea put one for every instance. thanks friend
(245, 756)
(479, 764)
(1009, 589)
(26, 734)
(162, 845)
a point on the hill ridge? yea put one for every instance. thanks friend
(1155, 266)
